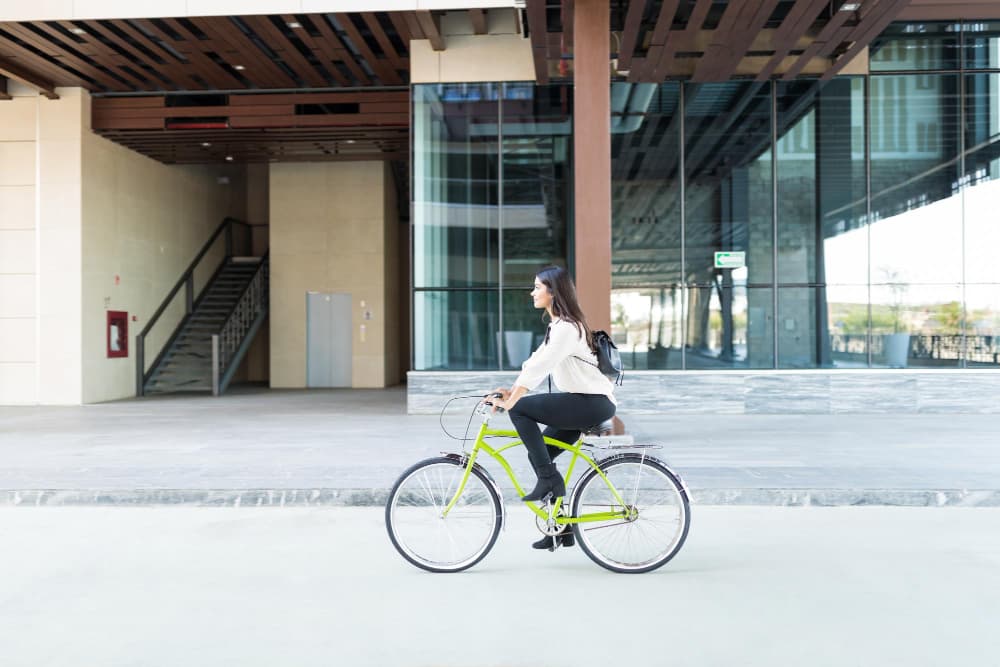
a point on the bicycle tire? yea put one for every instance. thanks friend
(412, 513)
(671, 517)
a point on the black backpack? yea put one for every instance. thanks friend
(609, 361)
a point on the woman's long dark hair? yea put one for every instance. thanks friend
(564, 302)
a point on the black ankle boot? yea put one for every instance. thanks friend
(564, 539)
(549, 481)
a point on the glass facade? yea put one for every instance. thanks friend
(491, 203)
(847, 223)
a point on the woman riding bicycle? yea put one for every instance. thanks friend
(567, 354)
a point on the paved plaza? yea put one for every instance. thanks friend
(256, 446)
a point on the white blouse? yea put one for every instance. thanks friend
(567, 357)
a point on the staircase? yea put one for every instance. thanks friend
(211, 339)
(187, 363)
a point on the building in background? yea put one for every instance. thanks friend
(797, 198)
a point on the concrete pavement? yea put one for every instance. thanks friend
(260, 447)
(859, 586)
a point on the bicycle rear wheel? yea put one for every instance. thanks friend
(424, 535)
(657, 509)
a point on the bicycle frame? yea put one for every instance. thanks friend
(497, 455)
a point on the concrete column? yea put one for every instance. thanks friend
(592, 162)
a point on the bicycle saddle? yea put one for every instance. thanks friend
(599, 429)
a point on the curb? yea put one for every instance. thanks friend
(377, 497)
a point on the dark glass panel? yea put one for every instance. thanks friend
(647, 326)
(645, 186)
(982, 45)
(916, 325)
(455, 176)
(916, 226)
(821, 182)
(536, 142)
(916, 46)
(729, 327)
(455, 330)
(823, 327)
(727, 134)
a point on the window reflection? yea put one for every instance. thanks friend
(455, 329)
(982, 45)
(729, 327)
(646, 325)
(916, 46)
(982, 328)
(916, 325)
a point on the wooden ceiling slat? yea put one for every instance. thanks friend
(431, 28)
(52, 50)
(566, 15)
(802, 15)
(402, 29)
(9, 70)
(345, 54)
(892, 8)
(413, 25)
(383, 40)
(401, 97)
(104, 55)
(284, 49)
(191, 47)
(202, 65)
(478, 19)
(630, 33)
(717, 53)
(538, 29)
(134, 57)
(380, 66)
(748, 27)
(659, 38)
(329, 120)
(4, 95)
(195, 112)
(825, 36)
(231, 43)
(323, 50)
(683, 40)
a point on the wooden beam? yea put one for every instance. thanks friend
(890, 9)
(30, 79)
(826, 35)
(478, 18)
(798, 21)
(686, 37)
(4, 95)
(630, 34)
(566, 15)
(431, 26)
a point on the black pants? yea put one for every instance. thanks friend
(566, 416)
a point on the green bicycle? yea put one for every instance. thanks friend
(629, 512)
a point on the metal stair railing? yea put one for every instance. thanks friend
(233, 340)
(187, 281)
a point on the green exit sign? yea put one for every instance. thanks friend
(730, 260)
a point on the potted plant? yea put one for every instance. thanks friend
(897, 343)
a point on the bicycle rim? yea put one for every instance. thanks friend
(425, 536)
(660, 515)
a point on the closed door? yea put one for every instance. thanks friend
(328, 340)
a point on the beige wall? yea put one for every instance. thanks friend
(328, 231)
(40, 173)
(143, 223)
(501, 55)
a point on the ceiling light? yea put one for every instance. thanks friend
(78, 31)
(206, 144)
(229, 158)
(239, 68)
(850, 6)
(294, 24)
(350, 141)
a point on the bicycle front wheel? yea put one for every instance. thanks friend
(434, 540)
(656, 511)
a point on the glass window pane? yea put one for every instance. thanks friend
(647, 326)
(916, 227)
(915, 46)
(523, 325)
(982, 328)
(455, 176)
(728, 170)
(729, 327)
(823, 327)
(982, 45)
(916, 325)
(645, 186)
(537, 178)
(982, 169)
(822, 182)
(455, 330)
